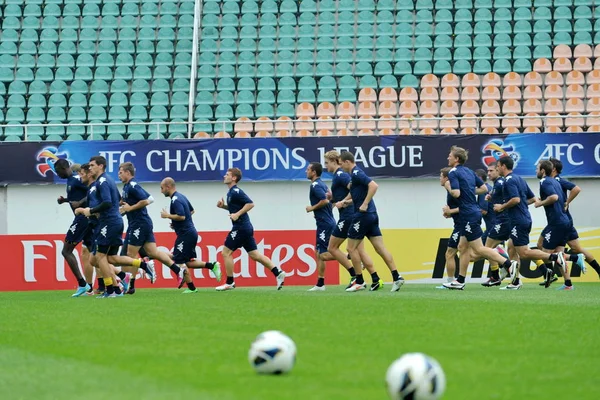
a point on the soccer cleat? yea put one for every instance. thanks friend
(501, 251)
(454, 285)
(376, 286)
(552, 280)
(514, 270)
(102, 296)
(510, 286)
(81, 290)
(317, 289)
(152, 274)
(441, 287)
(99, 291)
(491, 282)
(280, 280)
(113, 295)
(131, 290)
(549, 278)
(560, 260)
(216, 269)
(397, 284)
(180, 278)
(188, 290)
(565, 287)
(352, 282)
(225, 286)
(581, 262)
(357, 287)
(125, 282)
(90, 293)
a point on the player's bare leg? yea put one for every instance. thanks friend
(67, 253)
(266, 261)
(320, 259)
(355, 257)
(450, 256)
(334, 249)
(386, 256)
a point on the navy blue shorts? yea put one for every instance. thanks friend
(364, 224)
(520, 234)
(572, 234)
(77, 230)
(185, 247)
(89, 239)
(500, 231)
(110, 233)
(322, 239)
(140, 234)
(555, 236)
(238, 238)
(341, 228)
(454, 238)
(471, 230)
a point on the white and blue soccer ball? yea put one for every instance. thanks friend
(272, 352)
(415, 376)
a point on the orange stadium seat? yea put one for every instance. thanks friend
(388, 94)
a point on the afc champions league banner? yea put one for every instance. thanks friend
(282, 159)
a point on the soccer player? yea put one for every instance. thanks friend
(365, 223)
(140, 229)
(499, 231)
(242, 231)
(518, 196)
(559, 225)
(110, 226)
(450, 210)
(464, 185)
(486, 207)
(76, 192)
(184, 250)
(322, 211)
(339, 191)
(571, 191)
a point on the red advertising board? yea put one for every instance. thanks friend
(35, 262)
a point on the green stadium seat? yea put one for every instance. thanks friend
(409, 81)
(441, 67)
(462, 54)
(442, 54)
(388, 81)
(522, 66)
(502, 67)
(35, 100)
(402, 68)
(482, 67)
(583, 38)
(368, 81)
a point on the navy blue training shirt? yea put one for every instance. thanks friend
(76, 190)
(180, 205)
(106, 191)
(555, 212)
(339, 191)
(359, 190)
(566, 188)
(515, 186)
(318, 192)
(466, 181)
(498, 198)
(236, 200)
(133, 193)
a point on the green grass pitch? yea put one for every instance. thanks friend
(534, 343)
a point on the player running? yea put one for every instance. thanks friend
(184, 250)
(76, 193)
(339, 191)
(559, 225)
(571, 191)
(242, 232)
(365, 223)
(450, 210)
(464, 185)
(517, 197)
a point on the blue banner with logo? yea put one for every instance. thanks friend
(282, 159)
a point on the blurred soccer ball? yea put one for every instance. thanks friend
(272, 352)
(415, 376)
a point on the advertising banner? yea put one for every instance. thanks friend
(283, 159)
(36, 262)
